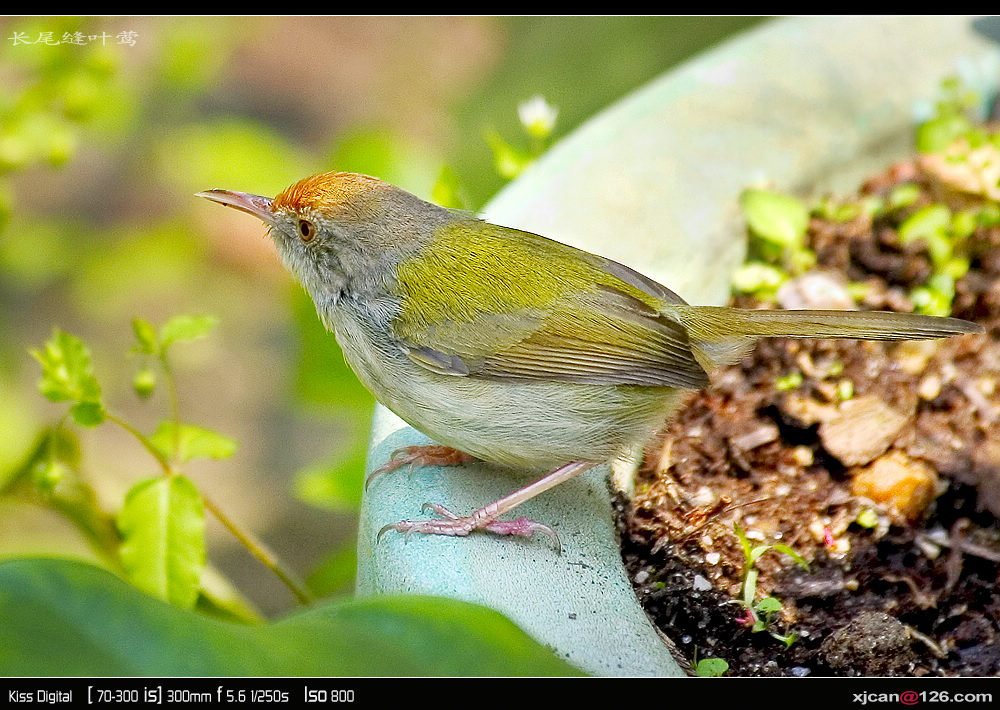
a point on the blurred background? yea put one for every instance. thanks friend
(108, 125)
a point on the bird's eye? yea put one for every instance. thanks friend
(307, 230)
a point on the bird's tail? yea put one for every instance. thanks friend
(722, 336)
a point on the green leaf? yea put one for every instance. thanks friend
(757, 276)
(790, 381)
(768, 605)
(66, 370)
(927, 222)
(963, 224)
(184, 327)
(711, 668)
(787, 639)
(88, 413)
(757, 551)
(508, 160)
(193, 442)
(939, 133)
(744, 543)
(775, 217)
(145, 336)
(63, 618)
(786, 550)
(162, 523)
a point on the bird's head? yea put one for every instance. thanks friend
(338, 229)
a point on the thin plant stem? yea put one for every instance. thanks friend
(144, 440)
(255, 547)
(175, 408)
(258, 550)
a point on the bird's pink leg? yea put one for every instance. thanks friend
(486, 517)
(430, 455)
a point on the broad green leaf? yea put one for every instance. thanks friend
(162, 523)
(145, 336)
(67, 373)
(193, 442)
(775, 217)
(185, 327)
(71, 619)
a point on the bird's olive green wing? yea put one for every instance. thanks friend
(513, 305)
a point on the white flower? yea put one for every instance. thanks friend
(537, 116)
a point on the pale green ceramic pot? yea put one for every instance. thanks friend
(806, 104)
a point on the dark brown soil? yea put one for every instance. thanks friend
(889, 485)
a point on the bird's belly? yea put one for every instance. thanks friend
(526, 424)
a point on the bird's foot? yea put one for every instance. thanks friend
(451, 524)
(430, 455)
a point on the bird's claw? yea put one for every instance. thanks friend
(429, 455)
(451, 524)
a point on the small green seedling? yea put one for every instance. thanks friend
(761, 613)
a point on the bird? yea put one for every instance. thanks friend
(508, 347)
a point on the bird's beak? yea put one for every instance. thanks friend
(259, 207)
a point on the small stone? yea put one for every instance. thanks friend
(701, 584)
(817, 528)
(929, 387)
(803, 456)
(902, 484)
(703, 497)
(713, 558)
(862, 429)
(763, 434)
